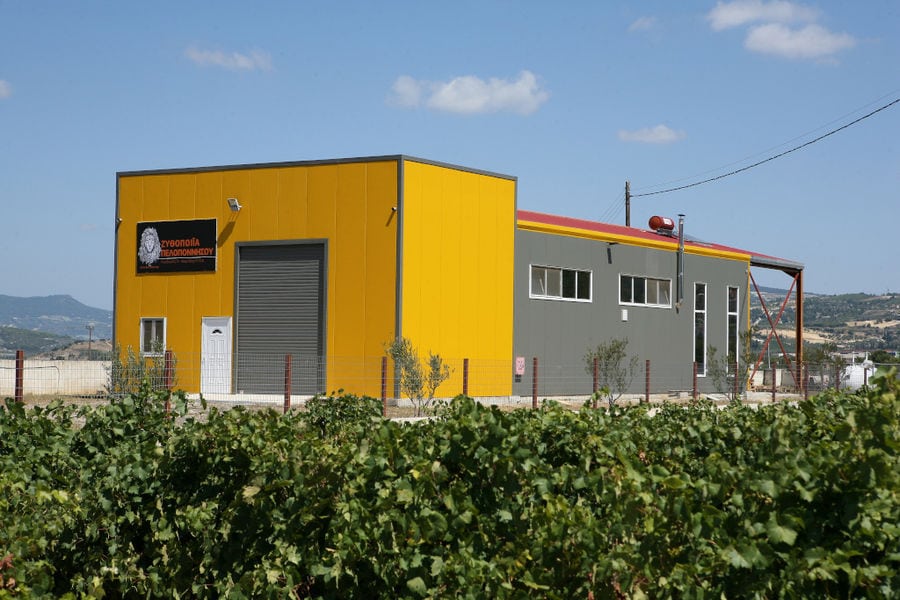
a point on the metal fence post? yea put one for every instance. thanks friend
(534, 382)
(774, 374)
(288, 381)
(694, 384)
(647, 381)
(20, 376)
(465, 377)
(384, 386)
(805, 382)
(737, 393)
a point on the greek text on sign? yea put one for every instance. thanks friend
(174, 246)
(520, 365)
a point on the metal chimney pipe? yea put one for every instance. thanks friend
(680, 280)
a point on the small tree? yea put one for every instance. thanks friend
(883, 357)
(438, 373)
(127, 371)
(826, 364)
(615, 368)
(416, 379)
(409, 371)
(722, 371)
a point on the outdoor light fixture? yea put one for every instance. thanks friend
(234, 205)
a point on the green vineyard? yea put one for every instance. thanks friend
(126, 501)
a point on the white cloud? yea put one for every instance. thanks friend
(772, 33)
(471, 95)
(406, 92)
(661, 134)
(642, 24)
(235, 61)
(5, 89)
(812, 41)
(726, 15)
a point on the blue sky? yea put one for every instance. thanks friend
(572, 98)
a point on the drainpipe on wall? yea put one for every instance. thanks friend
(679, 297)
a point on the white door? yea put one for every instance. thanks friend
(215, 356)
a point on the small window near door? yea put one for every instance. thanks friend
(153, 336)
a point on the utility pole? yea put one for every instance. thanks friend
(627, 204)
(90, 328)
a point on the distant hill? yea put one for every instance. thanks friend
(61, 315)
(861, 322)
(31, 342)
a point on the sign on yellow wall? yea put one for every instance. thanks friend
(176, 246)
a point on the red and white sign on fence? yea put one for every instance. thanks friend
(520, 365)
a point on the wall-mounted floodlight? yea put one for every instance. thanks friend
(234, 205)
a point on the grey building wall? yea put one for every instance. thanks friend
(559, 332)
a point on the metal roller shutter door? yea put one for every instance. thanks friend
(280, 304)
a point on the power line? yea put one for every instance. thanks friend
(771, 158)
(745, 159)
(613, 209)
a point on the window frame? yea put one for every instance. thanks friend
(646, 279)
(152, 321)
(701, 312)
(560, 285)
(732, 336)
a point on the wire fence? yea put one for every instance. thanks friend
(284, 381)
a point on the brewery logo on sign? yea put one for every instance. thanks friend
(176, 246)
(149, 250)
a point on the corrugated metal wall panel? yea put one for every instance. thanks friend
(280, 310)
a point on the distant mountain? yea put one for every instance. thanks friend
(857, 322)
(60, 315)
(779, 292)
(30, 342)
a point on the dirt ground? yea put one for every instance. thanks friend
(404, 410)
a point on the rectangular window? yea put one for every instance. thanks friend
(700, 328)
(639, 291)
(568, 284)
(554, 283)
(645, 291)
(583, 283)
(732, 329)
(153, 336)
(538, 281)
(626, 282)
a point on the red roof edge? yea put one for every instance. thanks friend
(756, 258)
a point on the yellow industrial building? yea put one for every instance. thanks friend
(233, 267)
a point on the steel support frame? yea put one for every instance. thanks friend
(797, 283)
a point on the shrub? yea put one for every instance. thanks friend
(332, 415)
(128, 371)
(615, 369)
(418, 383)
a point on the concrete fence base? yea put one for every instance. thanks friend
(55, 377)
